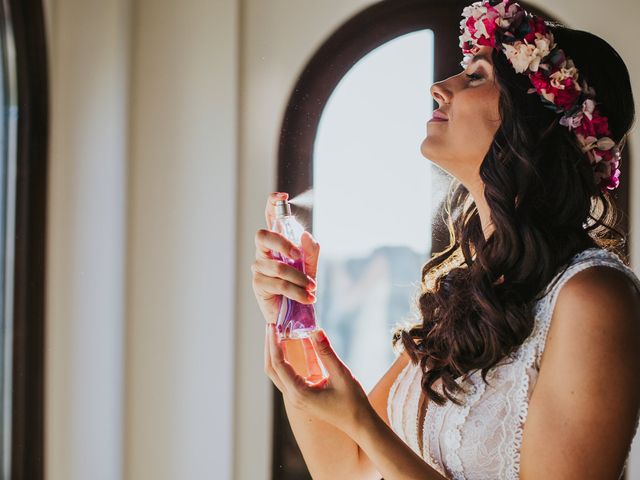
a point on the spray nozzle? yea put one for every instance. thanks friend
(283, 209)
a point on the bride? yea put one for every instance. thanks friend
(524, 363)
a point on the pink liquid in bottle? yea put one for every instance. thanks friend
(296, 322)
(302, 356)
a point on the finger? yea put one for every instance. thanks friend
(265, 285)
(315, 368)
(270, 209)
(276, 268)
(268, 369)
(327, 355)
(311, 250)
(267, 242)
(295, 386)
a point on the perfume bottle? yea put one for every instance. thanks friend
(296, 321)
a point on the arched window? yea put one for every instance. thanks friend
(350, 142)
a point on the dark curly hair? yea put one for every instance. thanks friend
(545, 207)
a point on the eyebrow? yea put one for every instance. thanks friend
(480, 56)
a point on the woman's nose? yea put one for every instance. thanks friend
(440, 93)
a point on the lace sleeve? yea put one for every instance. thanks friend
(395, 404)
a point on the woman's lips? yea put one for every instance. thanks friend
(438, 116)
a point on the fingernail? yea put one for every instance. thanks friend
(311, 280)
(311, 296)
(319, 336)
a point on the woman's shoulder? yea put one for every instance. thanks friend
(598, 273)
(592, 278)
(585, 260)
(599, 270)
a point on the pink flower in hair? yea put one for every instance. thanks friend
(489, 23)
(614, 180)
(572, 122)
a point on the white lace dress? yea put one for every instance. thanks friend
(481, 439)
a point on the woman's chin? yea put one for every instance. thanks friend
(426, 148)
(432, 153)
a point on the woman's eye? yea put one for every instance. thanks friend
(474, 76)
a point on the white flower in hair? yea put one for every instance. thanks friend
(520, 54)
(475, 10)
(587, 107)
(508, 14)
(481, 28)
(465, 37)
(544, 44)
(525, 56)
(567, 71)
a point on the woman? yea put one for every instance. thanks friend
(531, 269)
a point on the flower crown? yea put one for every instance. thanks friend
(530, 48)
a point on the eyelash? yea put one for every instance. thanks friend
(473, 76)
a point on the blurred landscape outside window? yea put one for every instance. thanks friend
(374, 197)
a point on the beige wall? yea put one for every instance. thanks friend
(165, 123)
(86, 214)
(141, 247)
(181, 240)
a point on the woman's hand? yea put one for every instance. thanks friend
(273, 278)
(338, 400)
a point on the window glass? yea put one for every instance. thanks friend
(374, 198)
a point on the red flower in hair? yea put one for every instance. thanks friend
(565, 98)
(596, 127)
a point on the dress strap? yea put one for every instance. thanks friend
(590, 257)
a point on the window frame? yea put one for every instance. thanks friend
(25, 24)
